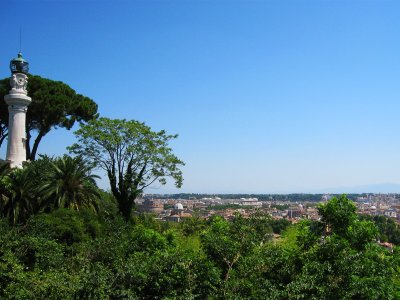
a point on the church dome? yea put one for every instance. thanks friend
(178, 206)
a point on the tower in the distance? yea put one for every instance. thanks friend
(17, 101)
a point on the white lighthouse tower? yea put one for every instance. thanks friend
(17, 101)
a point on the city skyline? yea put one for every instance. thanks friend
(288, 96)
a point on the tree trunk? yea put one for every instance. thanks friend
(126, 203)
(125, 207)
(36, 145)
(28, 143)
(122, 193)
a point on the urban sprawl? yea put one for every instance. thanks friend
(168, 208)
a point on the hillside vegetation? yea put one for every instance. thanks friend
(63, 238)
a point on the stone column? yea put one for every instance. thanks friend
(17, 101)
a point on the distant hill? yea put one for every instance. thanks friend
(384, 188)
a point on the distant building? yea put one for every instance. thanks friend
(312, 213)
(173, 218)
(178, 213)
(294, 212)
(151, 206)
(391, 213)
(199, 205)
(178, 208)
(253, 202)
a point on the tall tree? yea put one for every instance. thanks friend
(54, 104)
(133, 156)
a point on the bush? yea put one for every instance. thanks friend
(65, 225)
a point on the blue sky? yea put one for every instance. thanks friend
(266, 96)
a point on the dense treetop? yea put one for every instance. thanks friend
(133, 156)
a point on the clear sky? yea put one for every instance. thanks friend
(266, 96)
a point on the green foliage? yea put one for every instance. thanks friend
(335, 270)
(361, 233)
(342, 262)
(64, 226)
(279, 225)
(338, 214)
(133, 156)
(262, 274)
(18, 196)
(45, 185)
(69, 184)
(40, 169)
(280, 206)
(226, 243)
(69, 254)
(193, 225)
(305, 236)
(389, 230)
(148, 240)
